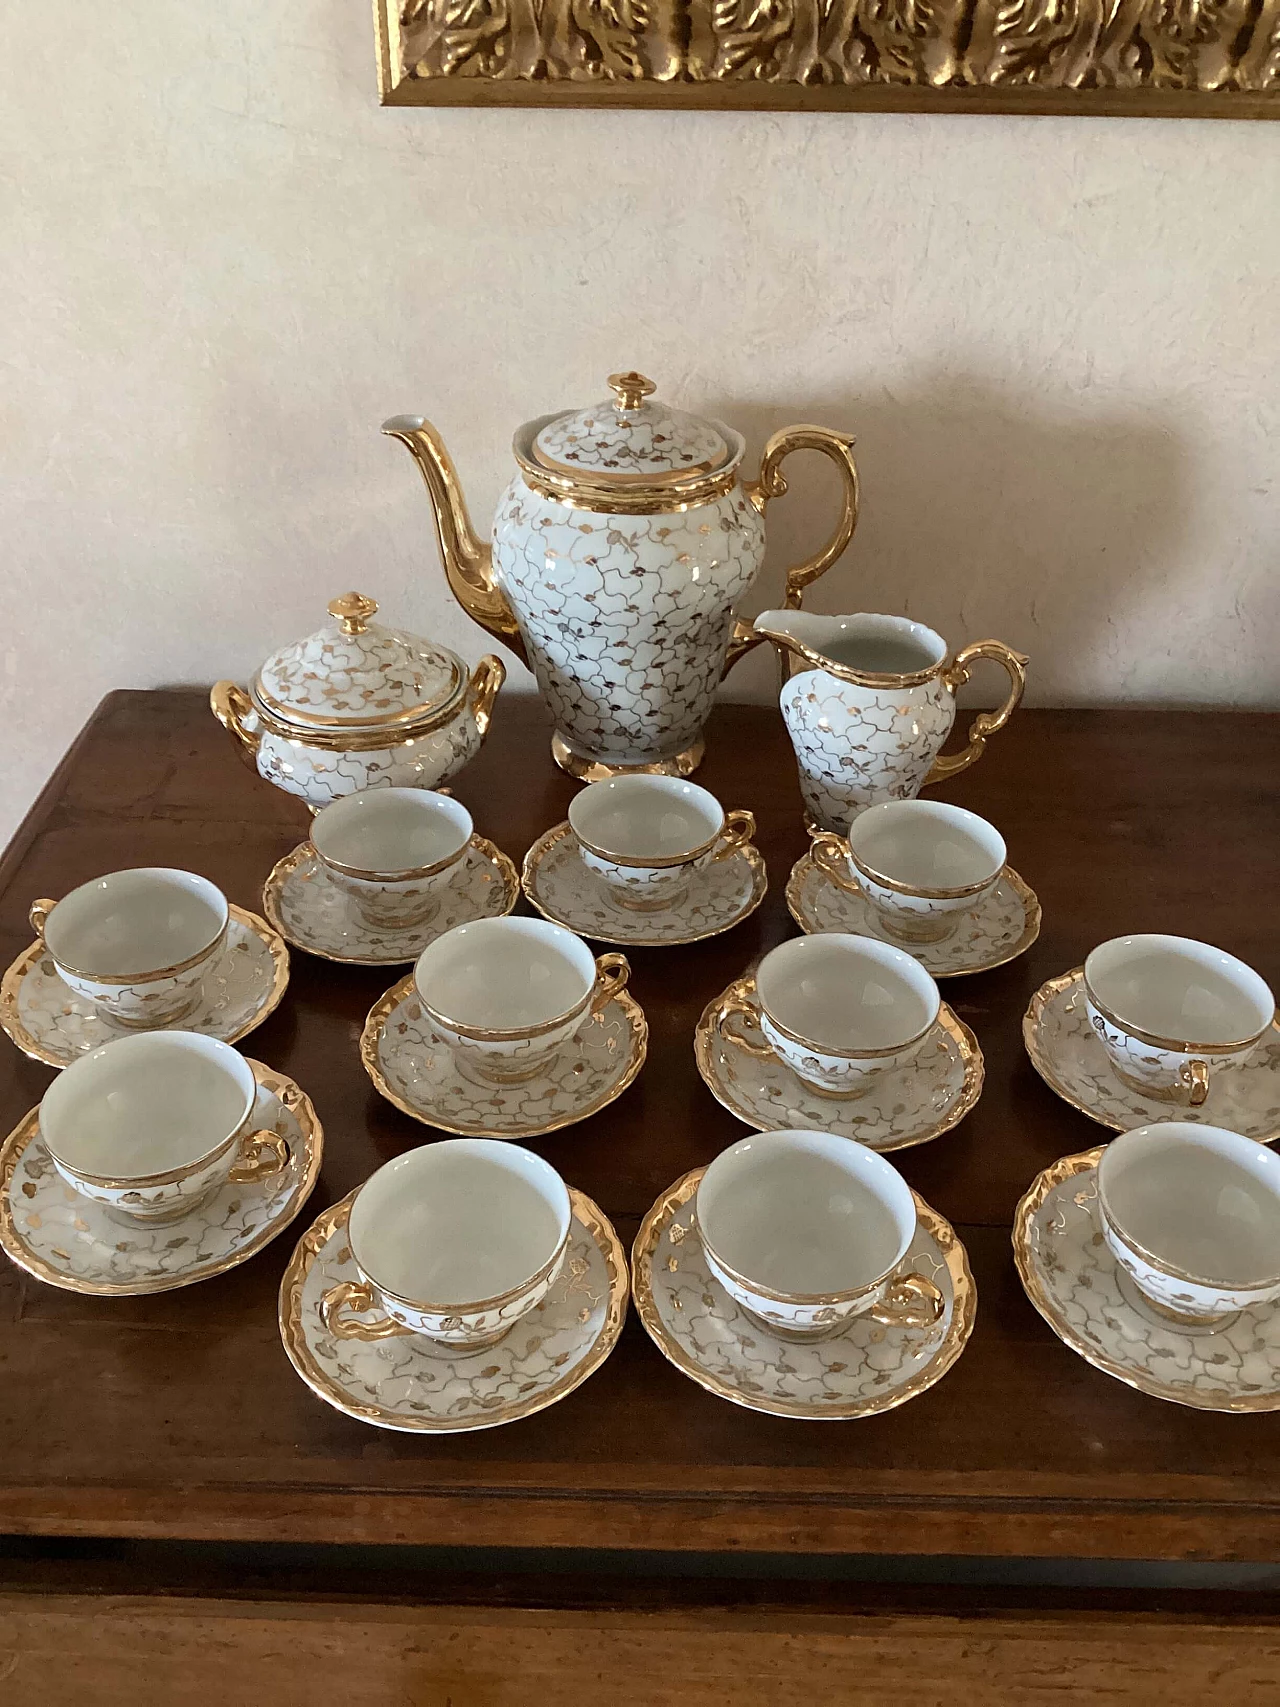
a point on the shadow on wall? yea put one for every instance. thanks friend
(985, 513)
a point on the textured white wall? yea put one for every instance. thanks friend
(1057, 341)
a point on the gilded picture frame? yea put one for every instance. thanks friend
(1156, 58)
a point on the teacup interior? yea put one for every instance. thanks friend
(144, 1105)
(645, 817)
(458, 1222)
(884, 645)
(505, 974)
(385, 830)
(1203, 1200)
(795, 1214)
(847, 992)
(132, 922)
(926, 844)
(1179, 989)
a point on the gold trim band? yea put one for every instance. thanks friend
(1155, 1041)
(123, 979)
(751, 991)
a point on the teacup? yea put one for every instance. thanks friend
(645, 836)
(507, 994)
(392, 850)
(1172, 1012)
(138, 944)
(456, 1240)
(149, 1126)
(1192, 1215)
(806, 1230)
(837, 1009)
(922, 866)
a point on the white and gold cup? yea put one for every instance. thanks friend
(456, 1240)
(506, 995)
(150, 1126)
(806, 1230)
(1192, 1215)
(1172, 1013)
(138, 944)
(643, 837)
(837, 1009)
(393, 851)
(922, 865)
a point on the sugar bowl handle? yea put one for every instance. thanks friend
(986, 723)
(232, 707)
(356, 1296)
(612, 972)
(911, 1301)
(264, 1153)
(39, 914)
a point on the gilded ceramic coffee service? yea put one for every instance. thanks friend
(464, 1284)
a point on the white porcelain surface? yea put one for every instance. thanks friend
(1003, 925)
(624, 821)
(50, 1021)
(335, 677)
(1173, 988)
(460, 1239)
(1070, 1056)
(393, 851)
(719, 893)
(838, 1008)
(110, 937)
(921, 849)
(320, 775)
(802, 1228)
(64, 1239)
(1192, 1214)
(508, 994)
(313, 913)
(148, 1124)
(646, 439)
(904, 1105)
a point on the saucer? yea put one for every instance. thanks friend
(719, 896)
(999, 929)
(60, 1237)
(414, 1069)
(411, 1383)
(1068, 1055)
(50, 1023)
(906, 1105)
(864, 1369)
(1076, 1285)
(315, 915)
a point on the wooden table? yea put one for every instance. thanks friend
(140, 1424)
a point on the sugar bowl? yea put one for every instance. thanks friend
(357, 706)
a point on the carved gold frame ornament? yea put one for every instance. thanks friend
(1130, 58)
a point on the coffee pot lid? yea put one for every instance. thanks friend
(630, 439)
(355, 674)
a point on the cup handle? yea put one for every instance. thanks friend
(737, 830)
(732, 1004)
(985, 723)
(1194, 1077)
(39, 914)
(265, 1153)
(487, 677)
(830, 853)
(357, 1296)
(612, 972)
(911, 1301)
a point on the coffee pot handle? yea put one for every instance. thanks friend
(985, 723)
(773, 484)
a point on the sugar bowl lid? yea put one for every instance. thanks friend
(628, 439)
(355, 675)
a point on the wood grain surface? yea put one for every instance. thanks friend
(179, 1416)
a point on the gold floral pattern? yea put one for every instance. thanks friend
(906, 1105)
(315, 915)
(420, 1387)
(1075, 1283)
(864, 1370)
(414, 1069)
(720, 895)
(62, 1238)
(49, 1022)
(1003, 925)
(1072, 1060)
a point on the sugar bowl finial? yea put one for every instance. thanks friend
(630, 389)
(353, 611)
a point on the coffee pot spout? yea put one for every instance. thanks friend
(468, 560)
